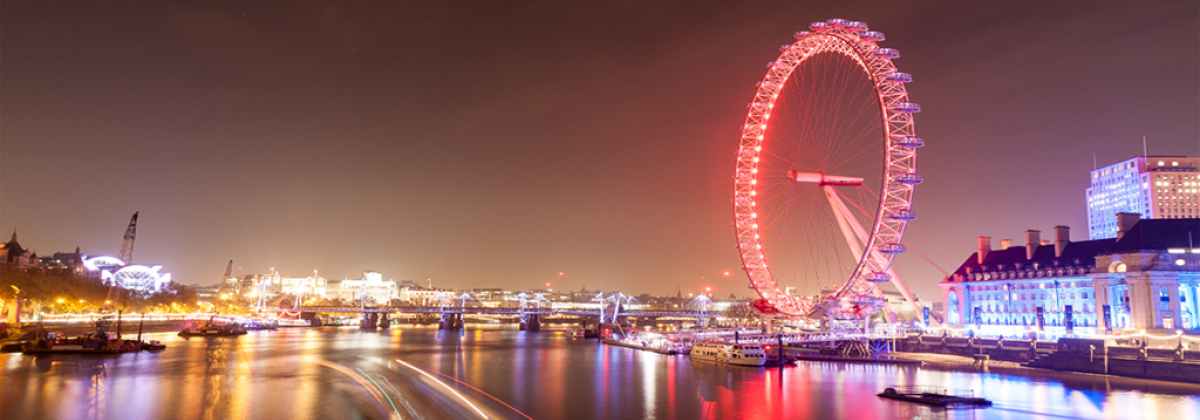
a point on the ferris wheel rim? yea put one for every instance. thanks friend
(852, 40)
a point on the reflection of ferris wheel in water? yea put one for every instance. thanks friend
(825, 174)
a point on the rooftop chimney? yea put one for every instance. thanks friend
(1033, 240)
(1005, 243)
(1125, 222)
(1062, 237)
(985, 246)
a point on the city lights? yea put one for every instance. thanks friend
(485, 144)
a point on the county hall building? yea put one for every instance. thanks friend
(1147, 277)
(1139, 270)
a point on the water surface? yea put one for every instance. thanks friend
(424, 373)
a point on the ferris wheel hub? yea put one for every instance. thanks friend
(821, 179)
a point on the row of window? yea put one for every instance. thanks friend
(1024, 286)
(1024, 296)
(1027, 308)
(1029, 321)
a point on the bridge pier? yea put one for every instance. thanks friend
(311, 317)
(451, 322)
(384, 322)
(369, 320)
(531, 323)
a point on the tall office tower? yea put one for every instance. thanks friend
(1157, 187)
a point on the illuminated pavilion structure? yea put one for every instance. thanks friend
(1146, 278)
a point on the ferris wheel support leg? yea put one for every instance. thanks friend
(849, 224)
(851, 229)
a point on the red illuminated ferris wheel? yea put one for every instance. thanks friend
(825, 173)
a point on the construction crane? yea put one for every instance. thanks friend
(228, 276)
(126, 256)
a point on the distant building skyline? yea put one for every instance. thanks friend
(1156, 187)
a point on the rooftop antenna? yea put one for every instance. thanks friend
(1144, 154)
(1094, 167)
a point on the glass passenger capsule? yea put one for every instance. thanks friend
(887, 52)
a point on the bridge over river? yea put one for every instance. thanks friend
(451, 317)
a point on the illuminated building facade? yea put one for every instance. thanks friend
(1156, 187)
(64, 261)
(1148, 277)
(13, 256)
(306, 287)
(421, 296)
(371, 287)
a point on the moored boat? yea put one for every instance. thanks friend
(107, 343)
(940, 397)
(287, 322)
(584, 333)
(259, 324)
(731, 353)
(211, 330)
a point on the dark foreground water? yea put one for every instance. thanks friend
(423, 373)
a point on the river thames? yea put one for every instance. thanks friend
(501, 373)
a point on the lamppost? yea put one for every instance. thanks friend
(1179, 347)
(1057, 304)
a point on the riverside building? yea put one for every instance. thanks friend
(1156, 187)
(1145, 278)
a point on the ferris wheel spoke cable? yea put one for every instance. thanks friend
(841, 145)
(829, 128)
(795, 216)
(836, 153)
(908, 243)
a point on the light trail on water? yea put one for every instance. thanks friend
(364, 384)
(448, 388)
(484, 393)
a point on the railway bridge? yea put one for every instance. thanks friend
(452, 317)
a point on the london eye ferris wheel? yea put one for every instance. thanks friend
(825, 172)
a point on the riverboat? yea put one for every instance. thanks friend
(107, 343)
(153, 345)
(213, 331)
(583, 333)
(935, 396)
(731, 353)
(259, 324)
(288, 322)
(15, 347)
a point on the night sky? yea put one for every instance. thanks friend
(495, 144)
